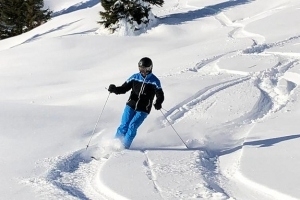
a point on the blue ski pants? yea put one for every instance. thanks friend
(130, 122)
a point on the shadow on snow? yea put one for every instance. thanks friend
(261, 143)
(258, 143)
(76, 7)
(179, 18)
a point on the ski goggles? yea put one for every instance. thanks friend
(145, 69)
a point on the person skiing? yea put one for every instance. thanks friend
(144, 86)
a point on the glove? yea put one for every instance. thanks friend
(157, 106)
(112, 88)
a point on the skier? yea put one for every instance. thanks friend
(144, 86)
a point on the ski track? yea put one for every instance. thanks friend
(181, 111)
(72, 177)
(259, 48)
(150, 173)
(196, 168)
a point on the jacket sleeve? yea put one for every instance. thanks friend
(159, 96)
(124, 88)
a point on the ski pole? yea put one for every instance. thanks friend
(174, 129)
(165, 110)
(87, 146)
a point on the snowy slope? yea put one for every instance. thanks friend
(230, 72)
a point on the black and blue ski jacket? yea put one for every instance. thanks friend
(143, 90)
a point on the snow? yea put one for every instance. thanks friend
(230, 72)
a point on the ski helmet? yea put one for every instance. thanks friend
(145, 65)
(145, 62)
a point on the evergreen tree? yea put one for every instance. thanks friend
(155, 2)
(35, 16)
(20, 16)
(132, 11)
(11, 17)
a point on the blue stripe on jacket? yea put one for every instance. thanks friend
(150, 79)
